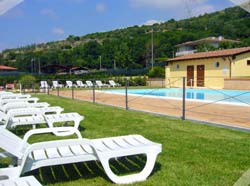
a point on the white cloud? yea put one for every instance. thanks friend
(163, 4)
(58, 31)
(201, 10)
(6, 5)
(152, 22)
(100, 7)
(49, 12)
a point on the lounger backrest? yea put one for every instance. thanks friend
(44, 84)
(55, 83)
(89, 83)
(15, 96)
(69, 83)
(11, 143)
(111, 82)
(99, 83)
(79, 83)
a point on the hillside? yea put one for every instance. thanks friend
(131, 47)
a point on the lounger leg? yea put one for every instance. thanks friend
(142, 176)
(33, 126)
(76, 125)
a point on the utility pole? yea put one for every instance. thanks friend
(114, 64)
(100, 57)
(152, 47)
(39, 67)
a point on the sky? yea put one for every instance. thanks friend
(39, 21)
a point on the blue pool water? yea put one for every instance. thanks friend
(228, 96)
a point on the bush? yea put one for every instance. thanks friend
(27, 81)
(157, 72)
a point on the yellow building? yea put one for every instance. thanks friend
(209, 69)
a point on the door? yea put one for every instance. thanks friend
(200, 75)
(190, 76)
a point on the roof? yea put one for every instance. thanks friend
(2, 67)
(212, 54)
(206, 40)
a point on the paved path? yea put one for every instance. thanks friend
(231, 115)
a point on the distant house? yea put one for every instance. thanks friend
(7, 69)
(211, 69)
(190, 47)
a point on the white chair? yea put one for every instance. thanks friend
(100, 84)
(37, 155)
(69, 84)
(114, 84)
(44, 85)
(27, 100)
(89, 84)
(5, 108)
(14, 96)
(55, 84)
(33, 117)
(80, 84)
(23, 181)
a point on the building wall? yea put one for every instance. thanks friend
(240, 69)
(214, 76)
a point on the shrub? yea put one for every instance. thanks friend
(27, 81)
(157, 72)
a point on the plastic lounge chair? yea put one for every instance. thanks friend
(81, 84)
(37, 155)
(69, 84)
(28, 100)
(89, 84)
(24, 181)
(14, 96)
(37, 116)
(44, 85)
(113, 84)
(100, 84)
(17, 105)
(55, 85)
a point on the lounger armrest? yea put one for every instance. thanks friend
(51, 130)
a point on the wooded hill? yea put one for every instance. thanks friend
(131, 47)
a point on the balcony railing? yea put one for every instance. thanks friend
(182, 53)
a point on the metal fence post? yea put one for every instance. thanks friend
(48, 90)
(126, 92)
(93, 92)
(58, 91)
(72, 92)
(184, 99)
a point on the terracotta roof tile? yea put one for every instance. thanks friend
(2, 67)
(212, 54)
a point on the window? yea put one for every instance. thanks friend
(248, 62)
(217, 64)
(177, 66)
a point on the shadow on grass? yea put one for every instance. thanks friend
(89, 170)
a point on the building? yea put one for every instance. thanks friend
(191, 47)
(7, 69)
(211, 69)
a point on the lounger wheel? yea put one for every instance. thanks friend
(141, 176)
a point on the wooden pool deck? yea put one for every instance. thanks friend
(225, 114)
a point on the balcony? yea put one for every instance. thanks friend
(182, 53)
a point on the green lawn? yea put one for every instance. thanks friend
(192, 154)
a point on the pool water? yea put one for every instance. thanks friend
(228, 96)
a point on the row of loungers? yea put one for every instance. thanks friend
(18, 109)
(79, 84)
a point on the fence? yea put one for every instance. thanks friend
(203, 100)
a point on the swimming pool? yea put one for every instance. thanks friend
(221, 96)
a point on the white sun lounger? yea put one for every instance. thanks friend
(14, 96)
(23, 181)
(81, 84)
(35, 117)
(28, 100)
(37, 155)
(89, 84)
(100, 84)
(69, 84)
(44, 85)
(15, 105)
(114, 84)
(55, 84)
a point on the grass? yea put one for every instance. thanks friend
(192, 154)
